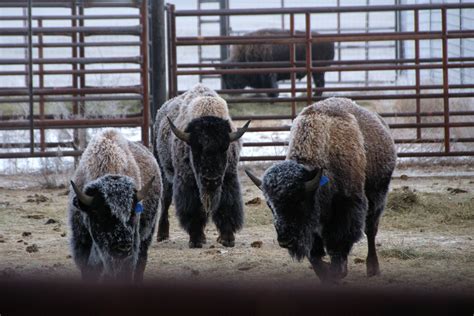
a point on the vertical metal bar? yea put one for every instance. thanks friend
(30, 76)
(174, 60)
(282, 16)
(199, 32)
(168, 41)
(417, 73)
(339, 43)
(445, 79)
(144, 73)
(82, 76)
(461, 44)
(367, 24)
(158, 56)
(293, 64)
(75, 80)
(309, 86)
(41, 84)
(224, 27)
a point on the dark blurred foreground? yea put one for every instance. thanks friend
(166, 297)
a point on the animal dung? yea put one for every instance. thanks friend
(359, 260)
(32, 248)
(37, 198)
(245, 266)
(256, 244)
(456, 190)
(254, 201)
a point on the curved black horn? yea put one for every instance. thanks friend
(84, 198)
(240, 131)
(254, 178)
(144, 191)
(179, 133)
(312, 184)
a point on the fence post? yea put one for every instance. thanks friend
(444, 23)
(158, 56)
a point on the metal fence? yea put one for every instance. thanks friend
(57, 48)
(430, 131)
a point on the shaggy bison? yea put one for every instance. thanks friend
(113, 205)
(197, 148)
(243, 53)
(335, 178)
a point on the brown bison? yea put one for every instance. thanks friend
(244, 53)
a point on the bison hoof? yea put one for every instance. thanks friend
(373, 268)
(195, 244)
(226, 242)
(162, 237)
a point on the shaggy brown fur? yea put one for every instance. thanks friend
(110, 156)
(186, 166)
(353, 148)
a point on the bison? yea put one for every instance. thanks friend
(334, 180)
(244, 53)
(197, 148)
(113, 205)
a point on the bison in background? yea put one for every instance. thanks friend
(334, 180)
(198, 148)
(113, 205)
(244, 53)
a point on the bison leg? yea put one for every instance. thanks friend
(229, 216)
(81, 247)
(376, 206)
(142, 259)
(319, 82)
(190, 213)
(164, 225)
(342, 229)
(320, 267)
(270, 81)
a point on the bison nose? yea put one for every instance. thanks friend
(211, 183)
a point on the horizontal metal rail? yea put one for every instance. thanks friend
(79, 65)
(87, 30)
(342, 9)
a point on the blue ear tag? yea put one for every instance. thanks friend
(139, 207)
(323, 181)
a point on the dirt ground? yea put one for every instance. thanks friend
(425, 239)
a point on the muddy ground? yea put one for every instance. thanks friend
(425, 239)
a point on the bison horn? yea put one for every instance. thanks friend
(179, 133)
(144, 191)
(254, 179)
(85, 199)
(312, 184)
(240, 131)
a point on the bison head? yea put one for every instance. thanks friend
(111, 207)
(289, 189)
(209, 138)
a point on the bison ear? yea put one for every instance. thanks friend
(145, 189)
(185, 137)
(240, 131)
(254, 178)
(314, 180)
